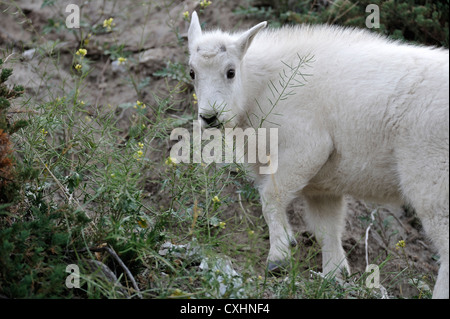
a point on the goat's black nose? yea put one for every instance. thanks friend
(209, 120)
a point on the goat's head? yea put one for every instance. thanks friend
(215, 67)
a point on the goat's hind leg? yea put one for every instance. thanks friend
(325, 216)
(439, 226)
(425, 185)
(435, 221)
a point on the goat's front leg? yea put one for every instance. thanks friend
(295, 169)
(274, 204)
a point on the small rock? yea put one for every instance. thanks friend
(222, 271)
(190, 251)
(116, 66)
(29, 54)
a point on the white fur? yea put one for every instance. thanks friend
(371, 121)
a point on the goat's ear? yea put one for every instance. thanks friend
(247, 37)
(195, 30)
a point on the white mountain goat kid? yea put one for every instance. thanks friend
(357, 114)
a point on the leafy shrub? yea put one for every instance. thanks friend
(420, 21)
(34, 233)
(32, 262)
(7, 184)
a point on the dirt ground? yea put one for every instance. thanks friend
(147, 32)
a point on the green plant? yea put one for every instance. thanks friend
(8, 183)
(33, 252)
(420, 21)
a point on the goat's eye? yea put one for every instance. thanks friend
(231, 73)
(192, 74)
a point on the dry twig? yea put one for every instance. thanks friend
(112, 252)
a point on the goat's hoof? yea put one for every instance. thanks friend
(293, 242)
(275, 267)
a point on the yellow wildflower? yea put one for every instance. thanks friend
(216, 199)
(186, 15)
(195, 98)
(108, 23)
(88, 38)
(44, 132)
(177, 292)
(205, 3)
(81, 52)
(140, 104)
(138, 155)
(222, 225)
(400, 244)
(141, 145)
(170, 161)
(141, 222)
(78, 67)
(122, 60)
